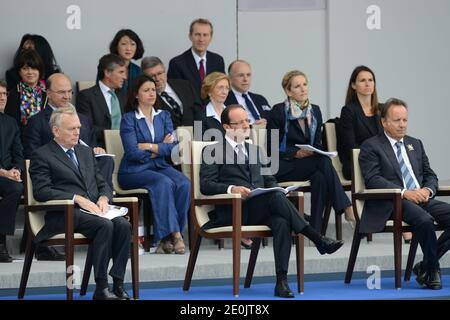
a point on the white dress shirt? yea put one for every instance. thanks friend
(234, 145)
(105, 90)
(240, 99)
(174, 96)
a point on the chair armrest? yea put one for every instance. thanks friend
(51, 204)
(295, 194)
(125, 199)
(372, 194)
(443, 191)
(223, 198)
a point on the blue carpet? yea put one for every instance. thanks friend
(314, 290)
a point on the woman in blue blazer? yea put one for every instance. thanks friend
(300, 122)
(147, 137)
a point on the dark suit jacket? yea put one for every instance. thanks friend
(353, 129)
(55, 177)
(208, 123)
(38, 131)
(10, 145)
(189, 99)
(380, 169)
(258, 100)
(91, 103)
(295, 135)
(184, 67)
(217, 177)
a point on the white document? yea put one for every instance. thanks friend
(308, 147)
(113, 212)
(259, 191)
(105, 155)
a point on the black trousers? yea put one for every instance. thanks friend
(10, 193)
(110, 239)
(325, 184)
(421, 217)
(276, 211)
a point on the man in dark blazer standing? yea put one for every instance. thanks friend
(196, 63)
(236, 167)
(64, 169)
(394, 160)
(103, 103)
(11, 165)
(174, 95)
(257, 107)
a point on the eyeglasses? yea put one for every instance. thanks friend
(247, 121)
(6, 93)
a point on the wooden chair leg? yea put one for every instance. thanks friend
(29, 252)
(135, 255)
(220, 243)
(398, 258)
(353, 254)
(369, 237)
(236, 263)
(196, 240)
(338, 218)
(326, 219)
(147, 223)
(411, 257)
(69, 271)
(252, 262)
(87, 270)
(300, 253)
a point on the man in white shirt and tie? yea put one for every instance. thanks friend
(256, 105)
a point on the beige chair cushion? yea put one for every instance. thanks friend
(82, 85)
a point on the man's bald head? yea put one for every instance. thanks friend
(59, 90)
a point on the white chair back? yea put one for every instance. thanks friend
(357, 180)
(330, 133)
(82, 85)
(37, 218)
(185, 134)
(201, 212)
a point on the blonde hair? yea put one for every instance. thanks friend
(211, 81)
(286, 82)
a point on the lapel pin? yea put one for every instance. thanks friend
(410, 147)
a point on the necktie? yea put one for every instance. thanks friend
(201, 70)
(116, 115)
(71, 155)
(242, 158)
(407, 177)
(173, 104)
(251, 107)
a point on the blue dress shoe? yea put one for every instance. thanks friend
(328, 245)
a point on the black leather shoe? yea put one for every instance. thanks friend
(104, 294)
(4, 255)
(49, 254)
(328, 245)
(120, 292)
(282, 289)
(434, 280)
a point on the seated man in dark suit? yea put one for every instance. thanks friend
(64, 169)
(233, 166)
(196, 63)
(103, 103)
(11, 165)
(257, 107)
(174, 95)
(394, 160)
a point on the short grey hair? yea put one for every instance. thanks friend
(55, 118)
(3, 83)
(150, 62)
